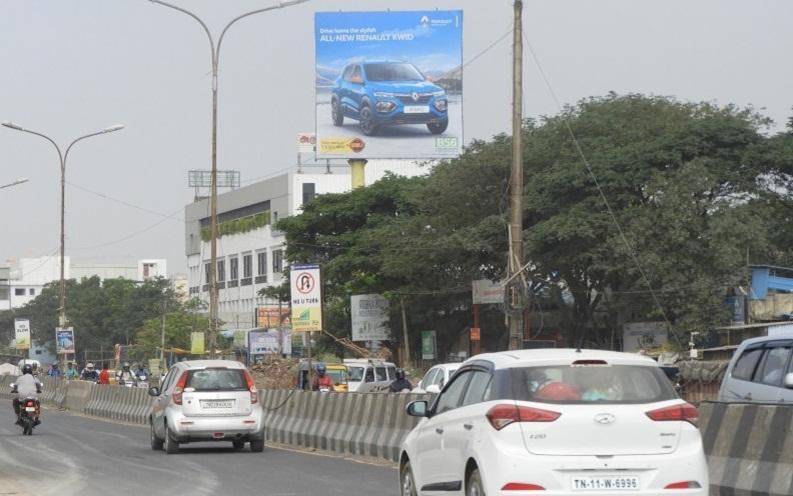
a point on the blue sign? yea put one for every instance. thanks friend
(389, 84)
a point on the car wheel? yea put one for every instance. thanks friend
(336, 113)
(156, 443)
(474, 485)
(171, 446)
(257, 445)
(438, 127)
(406, 481)
(366, 121)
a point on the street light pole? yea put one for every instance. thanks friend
(213, 197)
(63, 157)
(18, 181)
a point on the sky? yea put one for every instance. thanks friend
(70, 67)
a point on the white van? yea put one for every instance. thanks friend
(362, 370)
(761, 370)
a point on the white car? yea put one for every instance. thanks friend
(206, 400)
(557, 422)
(436, 377)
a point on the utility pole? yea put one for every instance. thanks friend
(515, 264)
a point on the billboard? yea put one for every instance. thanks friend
(64, 340)
(485, 291)
(306, 295)
(429, 345)
(389, 84)
(369, 318)
(267, 316)
(197, 343)
(22, 334)
(269, 342)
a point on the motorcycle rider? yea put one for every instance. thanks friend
(54, 371)
(26, 386)
(322, 380)
(400, 384)
(89, 373)
(125, 375)
(70, 373)
(141, 373)
(104, 375)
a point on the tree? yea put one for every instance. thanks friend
(180, 322)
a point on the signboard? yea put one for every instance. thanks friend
(22, 334)
(389, 84)
(267, 316)
(64, 340)
(429, 345)
(197, 343)
(306, 295)
(261, 342)
(476, 334)
(306, 142)
(485, 291)
(199, 178)
(369, 318)
(638, 336)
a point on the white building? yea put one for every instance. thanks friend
(250, 253)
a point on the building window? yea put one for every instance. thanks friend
(262, 263)
(309, 192)
(19, 291)
(221, 270)
(275, 217)
(234, 268)
(278, 261)
(247, 266)
(32, 292)
(206, 272)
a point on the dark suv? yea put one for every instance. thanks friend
(386, 93)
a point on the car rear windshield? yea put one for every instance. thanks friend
(587, 384)
(216, 380)
(392, 72)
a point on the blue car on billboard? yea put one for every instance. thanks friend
(385, 93)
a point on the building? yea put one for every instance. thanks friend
(250, 253)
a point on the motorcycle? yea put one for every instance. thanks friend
(28, 415)
(142, 381)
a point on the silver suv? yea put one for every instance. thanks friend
(760, 371)
(206, 400)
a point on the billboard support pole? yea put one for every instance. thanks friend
(357, 172)
(405, 338)
(516, 181)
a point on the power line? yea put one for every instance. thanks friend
(129, 236)
(124, 202)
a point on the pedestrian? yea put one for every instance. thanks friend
(104, 375)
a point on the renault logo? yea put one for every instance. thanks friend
(605, 418)
(415, 97)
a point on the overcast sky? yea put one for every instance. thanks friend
(70, 67)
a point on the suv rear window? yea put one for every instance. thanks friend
(602, 384)
(216, 380)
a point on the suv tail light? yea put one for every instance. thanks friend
(684, 412)
(251, 387)
(177, 392)
(502, 415)
(522, 486)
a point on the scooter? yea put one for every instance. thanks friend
(28, 415)
(142, 381)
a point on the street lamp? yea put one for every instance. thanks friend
(18, 181)
(63, 157)
(213, 198)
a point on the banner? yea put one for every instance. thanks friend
(267, 316)
(64, 340)
(269, 342)
(306, 294)
(22, 334)
(369, 318)
(197, 343)
(485, 291)
(429, 345)
(389, 84)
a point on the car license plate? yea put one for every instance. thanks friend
(217, 404)
(30, 408)
(613, 483)
(416, 109)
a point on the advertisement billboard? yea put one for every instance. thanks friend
(429, 345)
(485, 291)
(22, 334)
(267, 317)
(269, 342)
(306, 295)
(64, 340)
(369, 318)
(389, 84)
(197, 343)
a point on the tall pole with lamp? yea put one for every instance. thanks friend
(213, 198)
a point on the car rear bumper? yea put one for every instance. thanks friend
(185, 429)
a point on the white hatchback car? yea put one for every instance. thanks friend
(206, 400)
(555, 421)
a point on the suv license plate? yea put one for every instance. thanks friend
(613, 483)
(416, 109)
(217, 404)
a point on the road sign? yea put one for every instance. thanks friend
(476, 334)
(306, 295)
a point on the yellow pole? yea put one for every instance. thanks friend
(357, 166)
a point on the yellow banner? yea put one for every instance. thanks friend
(341, 146)
(197, 343)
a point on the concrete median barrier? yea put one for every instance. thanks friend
(749, 448)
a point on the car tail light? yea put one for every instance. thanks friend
(251, 387)
(177, 392)
(684, 485)
(684, 412)
(522, 486)
(501, 416)
(590, 362)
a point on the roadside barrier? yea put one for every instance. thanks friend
(364, 424)
(749, 448)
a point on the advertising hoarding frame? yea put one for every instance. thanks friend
(64, 341)
(369, 318)
(22, 334)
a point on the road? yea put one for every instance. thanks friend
(74, 455)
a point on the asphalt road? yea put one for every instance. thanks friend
(74, 455)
